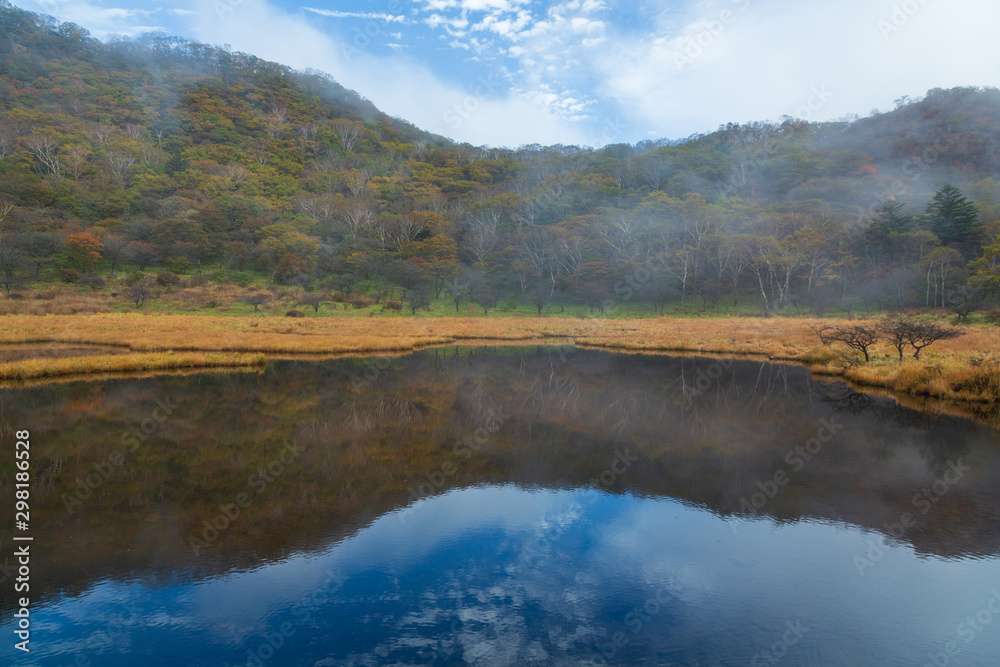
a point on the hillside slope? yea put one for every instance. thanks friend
(158, 154)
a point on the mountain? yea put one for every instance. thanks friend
(159, 153)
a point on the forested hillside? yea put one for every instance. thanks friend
(130, 166)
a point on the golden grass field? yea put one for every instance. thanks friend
(964, 369)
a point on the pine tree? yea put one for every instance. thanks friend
(955, 220)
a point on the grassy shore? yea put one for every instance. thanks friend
(965, 369)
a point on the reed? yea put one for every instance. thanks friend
(33, 369)
(963, 369)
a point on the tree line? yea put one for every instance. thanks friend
(161, 158)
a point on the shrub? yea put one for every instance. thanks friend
(134, 278)
(359, 302)
(167, 279)
(314, 300)
(256, 299)
(93, 282)
(295, 313)
(139, 293)
(70, 276)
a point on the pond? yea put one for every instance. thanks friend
(501, 506)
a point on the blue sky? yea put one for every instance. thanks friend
(592, 72)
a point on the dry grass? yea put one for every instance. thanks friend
(31, 369)
(963, 369)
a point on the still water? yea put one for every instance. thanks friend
(501, 506)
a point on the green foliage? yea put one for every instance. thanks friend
(135, 153)
(955, 219)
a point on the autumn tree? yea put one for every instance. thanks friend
(142, 253)
(115, 248)
(256, 299)
(83, 251)
(314, 300)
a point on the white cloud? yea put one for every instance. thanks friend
(99, 20)
(478, 112)
(377, 16)
(766, 59)
(672, 68)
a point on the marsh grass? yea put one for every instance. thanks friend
(32, 369)
(967, 368)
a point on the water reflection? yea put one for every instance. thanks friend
(503, 506)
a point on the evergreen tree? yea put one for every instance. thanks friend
(955, 220)
(889, 216)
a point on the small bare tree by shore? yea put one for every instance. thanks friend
(923, 334)
(899, 331)
(902, 332)
(860, 337)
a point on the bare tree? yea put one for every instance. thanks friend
(858, 337)
(358, 215)
(236, 173)
(6, 206)
(101, 134)
(256, 299)
(139, 293)
(482, 235)
(621, 233)
(349, 131)
(896, 329)
(43, 147)
(314, 300)
(75, 160)
(902, 331)
(923, 334)
(119, 162)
